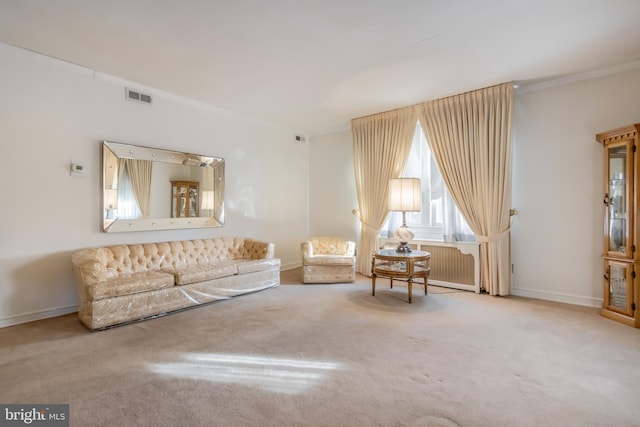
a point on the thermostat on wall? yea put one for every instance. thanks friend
(77, 169)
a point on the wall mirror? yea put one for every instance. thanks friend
(151, 189)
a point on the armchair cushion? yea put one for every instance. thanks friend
(330, 260)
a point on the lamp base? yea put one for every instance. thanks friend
(403, 247)
(404, 235)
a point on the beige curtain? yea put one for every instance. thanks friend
(140, 175)
(470, 136)
(381, 144)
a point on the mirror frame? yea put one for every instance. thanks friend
(110, 220)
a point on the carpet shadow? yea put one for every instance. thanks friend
(396, 300)
(386, 299)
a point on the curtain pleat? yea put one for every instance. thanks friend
(381, 144)
(140, 175)
(470, 136)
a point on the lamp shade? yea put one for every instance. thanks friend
(405, 195)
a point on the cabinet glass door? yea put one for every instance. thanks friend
(618, 194)
(618, 295)
(184, 199)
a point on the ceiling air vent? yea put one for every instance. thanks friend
(133, 95)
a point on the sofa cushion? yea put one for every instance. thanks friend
(126, 284)
(251, 265)
(200, 273)
(330, 260)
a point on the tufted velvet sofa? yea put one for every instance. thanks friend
(328, 259)
(123, 283)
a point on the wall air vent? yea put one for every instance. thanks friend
(133, 95)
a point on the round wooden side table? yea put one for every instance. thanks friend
(400, 265)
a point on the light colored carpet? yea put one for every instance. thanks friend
(333, 355)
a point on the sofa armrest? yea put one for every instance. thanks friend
(255, 249)
(307, 249)
(90, 267)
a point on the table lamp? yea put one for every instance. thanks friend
(404, 196)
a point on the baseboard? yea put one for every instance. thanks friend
(30, 317)
(558, 297)
(452, 285)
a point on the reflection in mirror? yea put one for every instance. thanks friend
(152, 189)
(618, 224)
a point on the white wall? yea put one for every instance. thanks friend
(332, 186)
(558, 184)
(53, 113)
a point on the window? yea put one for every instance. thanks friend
(429, 223)
(127, 205)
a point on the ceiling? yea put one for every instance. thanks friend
(312, 65)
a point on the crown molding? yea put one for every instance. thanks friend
(524, 87)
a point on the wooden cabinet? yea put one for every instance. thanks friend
(184, 199)
(621, 230)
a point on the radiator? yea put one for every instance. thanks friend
(453, 265)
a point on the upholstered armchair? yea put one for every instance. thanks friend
(328, 260)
